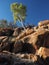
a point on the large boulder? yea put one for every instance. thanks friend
(18, 47)
(42, 23)
(7, 58)
(29, 31)
(25, 33)
(37, 39)
(43, 52)
(2, 38)
(8, 46)
(32, 57)
(17, 31)
(21, 47)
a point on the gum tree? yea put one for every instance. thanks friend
(19, 13)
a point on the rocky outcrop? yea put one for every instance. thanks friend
(6, 32)
(42, 23)
(43, 52)
(29, 46)
(8, 58)
(38, 38)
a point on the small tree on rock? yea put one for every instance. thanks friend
(19, 12)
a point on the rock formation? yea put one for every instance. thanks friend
(29, 47)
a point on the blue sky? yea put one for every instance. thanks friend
(37, 10)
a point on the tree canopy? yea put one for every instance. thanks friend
(19, 12)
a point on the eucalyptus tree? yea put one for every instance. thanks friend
(19, 13)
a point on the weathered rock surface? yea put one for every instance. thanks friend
(7, 58)
(29, 47)
(43, 52)
(42, 23)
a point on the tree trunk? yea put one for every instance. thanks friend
(22, 25)
(22, 22)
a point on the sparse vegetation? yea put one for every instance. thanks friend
(19, 12)
(6, 24)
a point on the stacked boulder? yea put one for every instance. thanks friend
(30, 45)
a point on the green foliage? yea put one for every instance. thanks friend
(3, 23)
(19, 12)
(6, 24)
